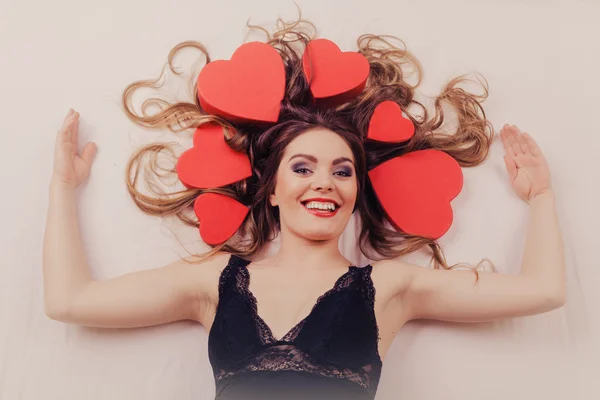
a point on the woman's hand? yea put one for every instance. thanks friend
(526, 165)
(69, 167)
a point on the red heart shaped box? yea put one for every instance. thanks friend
(387, 124)
(220, 217)
(211, 162)
(335, 77)
(247, 88)
(416, 190)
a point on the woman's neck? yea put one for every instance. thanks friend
(297, 252)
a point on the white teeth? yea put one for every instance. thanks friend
(320, 206)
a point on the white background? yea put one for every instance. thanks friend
(542, 61)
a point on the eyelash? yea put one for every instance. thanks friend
(346, 173)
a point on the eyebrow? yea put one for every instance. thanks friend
(312, 158)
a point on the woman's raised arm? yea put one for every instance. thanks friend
(540, 285)
(149, 297)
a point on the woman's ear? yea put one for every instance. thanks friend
(273, 200)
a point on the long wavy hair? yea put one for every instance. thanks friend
(468, 143)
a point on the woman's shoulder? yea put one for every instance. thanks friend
(392, 275)
(210, 260)
(204, 268)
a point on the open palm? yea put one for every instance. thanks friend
(526, 165)
(69, 167)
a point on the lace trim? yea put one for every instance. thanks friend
(243, 285)
(368, 289)
(229, 271)
(287, 357)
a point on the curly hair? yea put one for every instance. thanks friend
(468, 143)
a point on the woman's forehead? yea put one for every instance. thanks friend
(320, 143)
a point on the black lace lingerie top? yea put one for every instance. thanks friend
(331, 354)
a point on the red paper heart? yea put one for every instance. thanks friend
(335, 77)
(389, 125)
(220, 217)
(211, 162)
(247, 88)
(416, 190)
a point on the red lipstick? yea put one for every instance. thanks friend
(321, 213)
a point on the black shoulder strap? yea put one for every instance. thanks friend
(366, 285)
(230, 272)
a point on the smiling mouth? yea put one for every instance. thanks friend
(321, 209)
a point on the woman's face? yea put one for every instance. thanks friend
(316, 185)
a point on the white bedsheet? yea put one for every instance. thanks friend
(542, 61)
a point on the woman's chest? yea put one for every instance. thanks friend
(281, 307)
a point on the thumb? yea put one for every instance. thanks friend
(89, 153)
(511, 167)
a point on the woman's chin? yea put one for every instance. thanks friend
(320, 235)
(314, 231)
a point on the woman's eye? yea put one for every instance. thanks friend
(305, 171)
(344, 173)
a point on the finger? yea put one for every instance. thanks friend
(512, 140)
(89, 153)
(522, 144)
(511, 167)
(71, 111)
(68, 118)
(532, 145)
(520, 141)
(505, 142)
(67, 133)
(66, 122)
(75, 132)
(64, 133)
(63, 149)
(524, 147)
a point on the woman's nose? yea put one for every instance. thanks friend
(322, 182)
